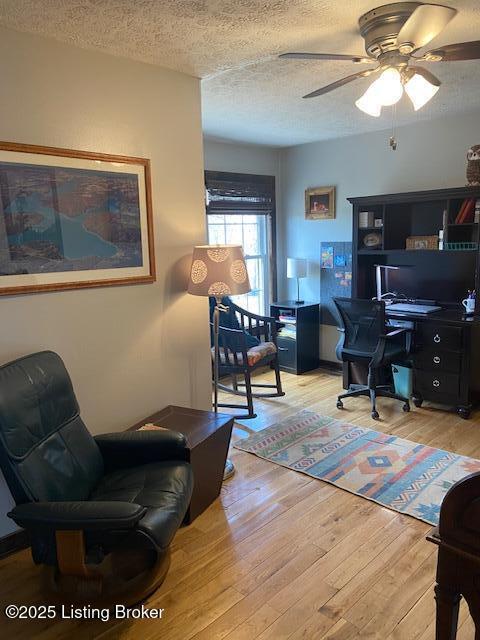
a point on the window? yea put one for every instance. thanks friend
(251, 231)
(241, 210)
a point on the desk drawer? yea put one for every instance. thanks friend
(287, 352)
(439, 360)
(439, 336)
(438, 387)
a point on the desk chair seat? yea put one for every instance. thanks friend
(364, 339)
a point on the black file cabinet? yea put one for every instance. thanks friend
(299, 340)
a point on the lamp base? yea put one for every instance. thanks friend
(229, 469)
(299, 301)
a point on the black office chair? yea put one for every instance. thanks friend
(364, 340)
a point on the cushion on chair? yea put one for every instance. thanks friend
(229, 320)
(165, 488)
(254, 354)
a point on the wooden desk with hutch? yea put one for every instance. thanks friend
(446, 344)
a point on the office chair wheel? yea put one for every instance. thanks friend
(375, 415)
(406, 407)
(339, 404)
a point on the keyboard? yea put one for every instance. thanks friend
(400, 324)
(412, 308)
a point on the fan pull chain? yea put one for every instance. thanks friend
(393, 137)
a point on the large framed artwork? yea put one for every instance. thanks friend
(73, 219)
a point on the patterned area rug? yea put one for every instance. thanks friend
(399, 474)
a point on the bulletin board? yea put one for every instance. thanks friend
(335, 277)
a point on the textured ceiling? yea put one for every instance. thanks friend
(248, 94)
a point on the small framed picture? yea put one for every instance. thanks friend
(320, 203)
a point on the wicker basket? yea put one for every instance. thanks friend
(422, 242)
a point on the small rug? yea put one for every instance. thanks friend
(399, 474)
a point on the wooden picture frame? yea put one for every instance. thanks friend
(73, 219)
(320, 203)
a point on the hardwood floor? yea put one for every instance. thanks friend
(282, 555)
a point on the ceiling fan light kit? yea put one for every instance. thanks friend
(420, 90)
(393, 35)
(387, 90)
(368, 104)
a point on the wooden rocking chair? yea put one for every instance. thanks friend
(237, 358)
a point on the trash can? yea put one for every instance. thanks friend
(402, 379)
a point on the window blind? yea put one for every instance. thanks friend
(239, 193)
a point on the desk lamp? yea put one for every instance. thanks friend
(297, 268)
(382, 270)
(218, 270)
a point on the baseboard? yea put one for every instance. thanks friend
(15, 541)
(332, 367)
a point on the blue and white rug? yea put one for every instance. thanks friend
(399, 474)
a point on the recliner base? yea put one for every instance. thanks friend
(125, 577)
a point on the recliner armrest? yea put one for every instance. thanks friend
(85, 516)
(132, 448)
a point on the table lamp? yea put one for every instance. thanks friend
(297, 268)
(218, 270)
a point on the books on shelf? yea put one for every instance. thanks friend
(467, 211)
(365, 219)
(288, 331)
(287, 319)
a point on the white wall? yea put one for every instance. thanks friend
(130, 350)
(430, 155)
(240, 158)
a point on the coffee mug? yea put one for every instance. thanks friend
(469, 304)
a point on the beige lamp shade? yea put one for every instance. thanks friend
(218, 270)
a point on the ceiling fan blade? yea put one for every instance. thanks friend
(325, 56)
(341, 82)
(425, 23)
(425, 73)
(452, 52)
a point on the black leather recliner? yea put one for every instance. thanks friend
(101, 511)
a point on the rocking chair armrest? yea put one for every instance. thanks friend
(250, 314)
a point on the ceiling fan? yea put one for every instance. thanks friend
(393, 35)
